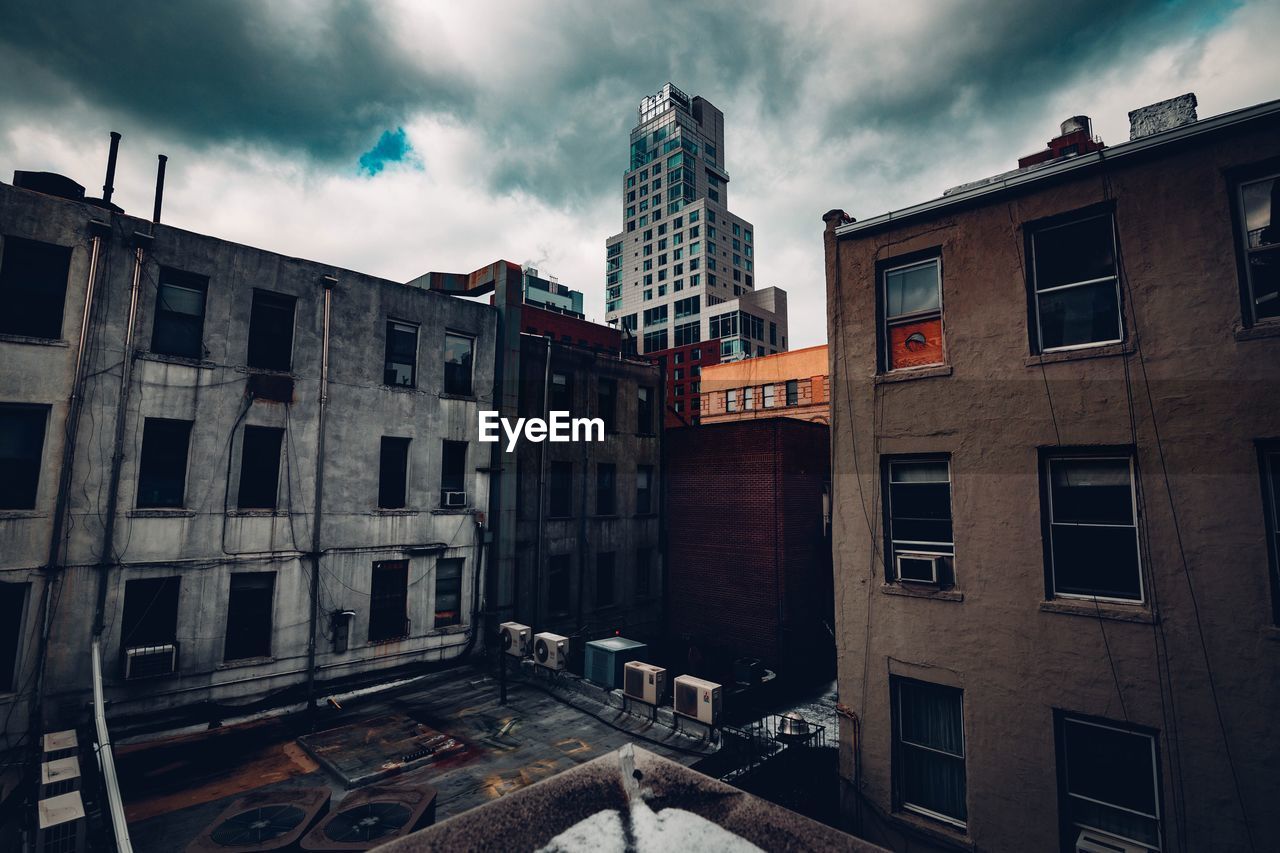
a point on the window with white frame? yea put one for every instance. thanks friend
(731, 400)
(929, 750)
(1075, 283)
(1109, 782)
(918, 509)
(1092, 527)
(912, 301)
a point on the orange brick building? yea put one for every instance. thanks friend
(786, 385)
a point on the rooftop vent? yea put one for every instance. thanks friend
(1076, 138)
(1163, 115)
(49, 183)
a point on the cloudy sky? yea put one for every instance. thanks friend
(400, 137)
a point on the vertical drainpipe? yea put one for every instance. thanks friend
(328, 282)
(542, 492)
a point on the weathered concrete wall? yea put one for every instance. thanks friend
(208, 539)
(1187, 369)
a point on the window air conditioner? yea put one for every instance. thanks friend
(455, 499)
(516, 638)
(644, 682)
(697, 699)
(1092, 841)
(150, 661)
(551, 650)
(914, 567)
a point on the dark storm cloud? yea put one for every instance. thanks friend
(216, 72)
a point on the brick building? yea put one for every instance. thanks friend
(789, 384)
(748, 555)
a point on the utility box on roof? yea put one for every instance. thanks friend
(605, 660)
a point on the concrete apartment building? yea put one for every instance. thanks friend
(241, 471)
(789, 384)
(1055, 415)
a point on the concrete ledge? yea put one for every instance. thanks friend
(1101, 351)
(1259, 332)
(908, 374)
(1101, 610)
(923, 592)
(39, 342)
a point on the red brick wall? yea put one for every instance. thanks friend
(539, 321)
(690, 402)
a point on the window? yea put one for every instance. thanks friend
(560, 490)
(558, 584)
(644, 570)
(607, 403)
(1092, 529)
(33, 286)
(688, 333)
(1271, 503)
(260, 467)
(448, 592)
(150, 616)
(459, 353)
(644, 489)
(13, 604)
(793, 392)
(1261, 248)
(453, 473)
(162, 469)
(928, 748)
(918, 509)
(561, 399)
(249, 616)
(271, 331)
(731, 400)
(389, 601)
(606, 489)
(179, 320)
(912, 300)
(393, 473)
(644, 410)
(766, 392)
(748, 398)
(400, 367)
(604, 579)
(21, 447)
(1108, 780)
(1077, 292)
(687, 307)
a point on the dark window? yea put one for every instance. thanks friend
(644, 489)
(1108, 781)
(162, 470)
(912, 305)
(389, 601)
(928, 746)
(459, 351)
(33, 286)
(453, 473)
(604, 579)
(918, 507)
(260, 467)
(606, 491)
(793, 392)
(560, 490)
(1093, 533)
(179, 322)
(13, 603)
(393, 473)
(271, 331)
(150, 613)
(249, 615)
(1077, 291)
(1271, 504)
(21, 447)
(644, 571)
(400, 367)
(1259, 201)
(448, 592)
(607, 403)
(561, 399)
(644, 410)
(558, 584)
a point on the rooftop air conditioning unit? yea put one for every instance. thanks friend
(60, 825)
(455, 499)
(644, 682)
(516, 638)
(697, 699)
(603, 660)
(1092, 841)
(150, 661)
(914, 567)
(551, 650)
(264, 820)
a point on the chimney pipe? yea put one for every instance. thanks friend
(155, 214)
(109, 187)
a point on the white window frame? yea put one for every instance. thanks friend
(1115, 277)
(1137, 540)
(888, 321)
(964, 758)
(914, 547)
(1155, 776)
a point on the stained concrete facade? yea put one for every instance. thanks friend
(206, 541)
(1191, 392)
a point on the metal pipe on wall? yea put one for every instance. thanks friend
(328, 282)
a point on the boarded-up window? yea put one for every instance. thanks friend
(912, 298)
